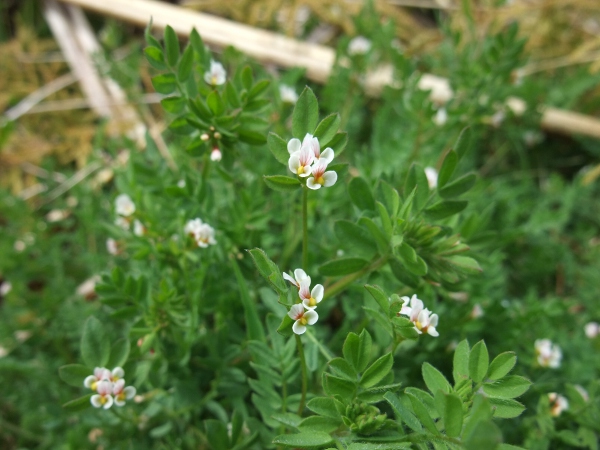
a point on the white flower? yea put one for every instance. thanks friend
(592, 329)
(216, 155)
(3, 352)
(497, 119)
(19, 246)
(313, 143)
(122, 393)
(424, 321)
(216, 74)
(56, 215)
(87, 289)
(122, 222)
(359, 46)
(22, 335)
(181, 183)
(300, 161)
(103, 399)
(100, 373)
(201, 232)
(5, 288)
(288, 94)
(441, 117)
(548, 354)
(299, 277)
(112, 247)
(558, 404)
(302, 318)
(138, 228)
(320, 177)
(310, 299)
(124, 206)
(432, 177)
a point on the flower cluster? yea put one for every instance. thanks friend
(359, 45)
(548, 354)
(125, 208)
(307, 160)
(110, 387)
(216, 75)
(202, 233)
(304, 313)
(424, 321)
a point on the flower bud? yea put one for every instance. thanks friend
(204, 137)
(216, 154)
(217, 135)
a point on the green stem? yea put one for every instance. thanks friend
(336, 288)
(305, 228)
(304, 373)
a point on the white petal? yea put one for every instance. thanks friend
(433, 320)
(95, 401)
(294, 162)
(406, 310)
(129, 392)
(306, 173)
(119, 402)
(118, 372)
(109, 402)
(432, 331)
(423, 318)
(330, 178)
(311, 317)
(307, 305)
(310, 183)
(294, 145)
(118, 386)
(298, 328)
(89, 380)
(327, 155)
(317, 292)
(405, 299)
(290, 279)
(300, 275)
(295, 311)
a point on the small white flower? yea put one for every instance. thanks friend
(548, 354)
(138, 228)
(100, 373)
(359, 46)
(441, 117)
(112, 247)
(103, 399)
(497, 119)
(300, 161)
(122, 393)
(122, 222)
(19, 246)
(424, 321)
(216, 74)
(56, 215)
(310, 299)
(22, 335)
(302, 318)
(201, 232)
(5, 288)
(87, 288)
(288, 94)
(124, 206)
(592, 329)
(320, 177)
(3, 352)
(432, 177)
(299, 277)
(181, 183)
(313, 143)
(558, 404)
(216, 155)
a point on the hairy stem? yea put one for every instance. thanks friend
(305, 228)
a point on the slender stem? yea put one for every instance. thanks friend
(336, 288)
(304, 374)
(304, 227)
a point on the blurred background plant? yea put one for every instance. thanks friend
(533, 220)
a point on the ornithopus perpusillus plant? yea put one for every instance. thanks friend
(190, 343)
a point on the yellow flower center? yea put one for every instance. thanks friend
(312, 302)
(300, 170)
(103, 399)
(303, 320)
(94, 386)
(320, 180)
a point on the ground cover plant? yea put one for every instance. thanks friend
(318, 269)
